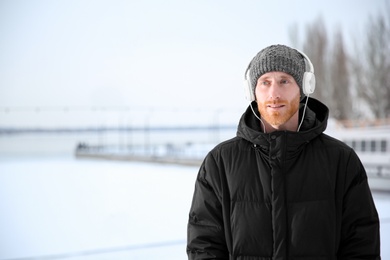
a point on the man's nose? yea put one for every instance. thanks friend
(274, 90)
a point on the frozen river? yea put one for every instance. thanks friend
(63, 208)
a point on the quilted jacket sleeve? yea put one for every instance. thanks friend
(205, 234)
(360, 237)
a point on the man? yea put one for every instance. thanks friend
(282, 189)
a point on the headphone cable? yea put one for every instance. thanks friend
(258, 118)
(304, 112)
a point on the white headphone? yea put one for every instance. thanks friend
(308, 81)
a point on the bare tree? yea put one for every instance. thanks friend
(315, 46)
(293, 34)
(372, 66)
(339, 80)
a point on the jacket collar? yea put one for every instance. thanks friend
(314, 123)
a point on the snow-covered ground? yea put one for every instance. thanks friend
(60, 207)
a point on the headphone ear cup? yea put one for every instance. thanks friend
(308, 83)
(249, 95)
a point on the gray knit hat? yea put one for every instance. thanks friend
(277, 58)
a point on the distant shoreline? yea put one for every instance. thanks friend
(140, 158)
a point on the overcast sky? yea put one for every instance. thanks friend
(149, 53)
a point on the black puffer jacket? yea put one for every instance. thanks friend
(283, 195)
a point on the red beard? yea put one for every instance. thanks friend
(280, 115)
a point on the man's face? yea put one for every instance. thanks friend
(278, 96)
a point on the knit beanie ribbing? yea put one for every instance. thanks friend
(277, 58)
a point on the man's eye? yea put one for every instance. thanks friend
(284, 81)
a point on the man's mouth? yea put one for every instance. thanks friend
(275, 106)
